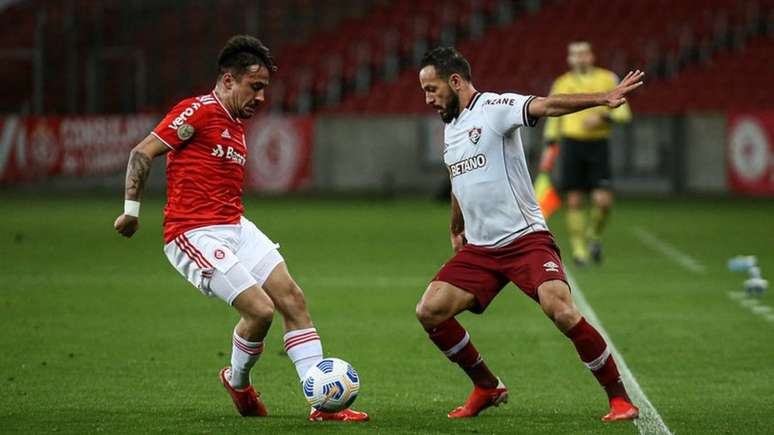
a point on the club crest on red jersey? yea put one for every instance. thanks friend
(474, 134)
(185, 131)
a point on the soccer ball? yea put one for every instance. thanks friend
(331, 385)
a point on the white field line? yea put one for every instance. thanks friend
(668, 250)
(754, 305)
(650, 421)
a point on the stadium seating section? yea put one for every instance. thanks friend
(361, 56)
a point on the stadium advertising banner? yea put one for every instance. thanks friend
(35, 148)
(280, 153)
(750, 159)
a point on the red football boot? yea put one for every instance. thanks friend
(345, 415)
(480, 399)
(621, 409)
(246, 400)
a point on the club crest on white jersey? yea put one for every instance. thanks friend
(474, 134)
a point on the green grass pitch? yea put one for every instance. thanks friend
(100, 334)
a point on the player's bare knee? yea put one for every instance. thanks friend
(604, 204)
(566, 316)
(429, 315)
(259, 310)
(603, 199)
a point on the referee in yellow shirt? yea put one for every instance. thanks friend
(584, 151)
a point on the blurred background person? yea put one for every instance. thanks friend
(585, 154)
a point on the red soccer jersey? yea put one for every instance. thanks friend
(205, 166)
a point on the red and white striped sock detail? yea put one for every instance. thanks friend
(299, 337)
(304, 348)
(244, 354)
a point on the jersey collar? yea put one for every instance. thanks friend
(214, 94)
(471, 104)
(473, 100)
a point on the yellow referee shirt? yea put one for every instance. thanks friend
(571, 126)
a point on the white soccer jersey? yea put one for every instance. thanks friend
(485, 158)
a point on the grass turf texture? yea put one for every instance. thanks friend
(100, 334)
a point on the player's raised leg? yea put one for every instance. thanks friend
(557, 303)
(435, 311)
(256, 310)
(302, 342)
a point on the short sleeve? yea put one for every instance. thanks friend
(507, 112)
(181, 123)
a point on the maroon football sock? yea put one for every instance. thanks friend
(594, 353)
(452, 339)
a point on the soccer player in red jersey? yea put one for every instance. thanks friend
(498, 233)
(207, 238)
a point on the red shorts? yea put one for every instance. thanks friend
(528, 262)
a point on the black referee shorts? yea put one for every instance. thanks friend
(585, 164)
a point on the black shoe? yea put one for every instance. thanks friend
(595, 248)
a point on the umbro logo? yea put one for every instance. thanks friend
(225, 134)
(551, 267)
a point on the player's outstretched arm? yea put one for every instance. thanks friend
(457, 227)
(137, 171)
(562, 104)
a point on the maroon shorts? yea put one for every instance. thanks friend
(527, 262)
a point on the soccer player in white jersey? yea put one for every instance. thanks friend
(498, 233)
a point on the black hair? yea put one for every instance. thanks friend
(447, 61)
(241, 52)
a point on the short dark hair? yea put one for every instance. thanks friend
(447, 61)
(242, 51)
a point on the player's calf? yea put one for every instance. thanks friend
(556, 301)
(288, 298)
(257, 312)
(436, 311)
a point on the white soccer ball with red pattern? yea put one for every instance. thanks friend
(331, 385)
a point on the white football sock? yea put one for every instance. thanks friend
(244, 354)
(304, 348)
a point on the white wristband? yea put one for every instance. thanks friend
(132, 208)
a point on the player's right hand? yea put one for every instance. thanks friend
(617, 96)
(126, 225)
(458, 241)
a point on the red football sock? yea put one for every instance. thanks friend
(452, 339)
(593, 351)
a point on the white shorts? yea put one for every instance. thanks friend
(224, 260)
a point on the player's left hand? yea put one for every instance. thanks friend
(617, 96)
